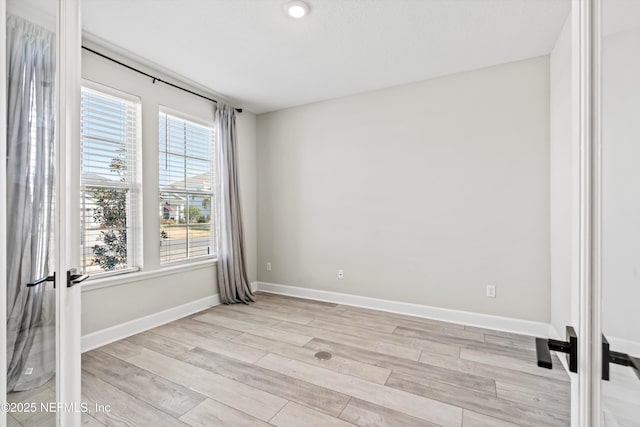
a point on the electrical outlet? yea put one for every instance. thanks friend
(268, 266)
(340, 274)
(491, 291)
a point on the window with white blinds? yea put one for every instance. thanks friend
(186, 189)
(110, 181)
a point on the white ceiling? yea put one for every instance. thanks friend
(262, 60)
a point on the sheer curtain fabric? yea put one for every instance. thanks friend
(30, 174)
(232, 272)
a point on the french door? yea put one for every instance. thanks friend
(39, 215)
(616, 209)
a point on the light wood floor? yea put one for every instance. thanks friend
(254, 366)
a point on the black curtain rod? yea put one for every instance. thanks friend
(155, 79)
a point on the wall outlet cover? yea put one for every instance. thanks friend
(491, 291)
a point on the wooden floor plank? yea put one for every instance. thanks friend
(210, 330)
(289, 300)
(289, 316)
(409, 342)
(513, 363)
(210, 413)
(526, 342)
(294, 415)
(228, 348)
(125, 410)
(47, 422)
(353, 340)
(255, 328)
(534, 381)
(397, 364)
(473, 419)
(362, 323)
(555, 402)
(122, 349)
(349, 366)
(160, 344)
(478, 402)
(254, 365)
(12, 422)
(160, 393)
(240, 396)
(26, 395)
(457, 340)
(411, 404)
(293, 389)
(42, 394)
(465, 336)
(399, 319)
(280, 307)
(245, 314)
(89, 421)
(495, 332)
(365, 414)
(464, 342)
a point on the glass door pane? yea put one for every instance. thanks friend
(31, 192)
(621, 205)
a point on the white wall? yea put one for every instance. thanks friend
(564, 184)
(422, 193)
(112, 301)
(621, 187)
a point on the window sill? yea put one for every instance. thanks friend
(111, 274)
(191, 261)
(93, 284)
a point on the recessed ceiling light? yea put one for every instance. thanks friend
(296, 9)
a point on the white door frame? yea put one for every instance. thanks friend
(68, 310)
(588, 124)
(595, 371)
(68, 64)
(584, 10)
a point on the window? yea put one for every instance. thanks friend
(110, 184)
(186, 189)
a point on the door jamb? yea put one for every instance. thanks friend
(588, 226)
(68, 300)
(595, 371)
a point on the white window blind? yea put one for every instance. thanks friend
(110, 184)
(186, 189)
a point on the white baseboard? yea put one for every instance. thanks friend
(254, 286)
(500, 323)
(127, 329)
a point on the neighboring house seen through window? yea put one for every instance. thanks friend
(186, 189)
(110, 183)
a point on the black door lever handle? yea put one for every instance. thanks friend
(73, 278)
(36, 282)
(545, 346)
(609, 356)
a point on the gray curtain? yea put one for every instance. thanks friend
(30, 174)
(232, 273)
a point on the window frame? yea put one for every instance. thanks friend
(135, 237)
(198, 121)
